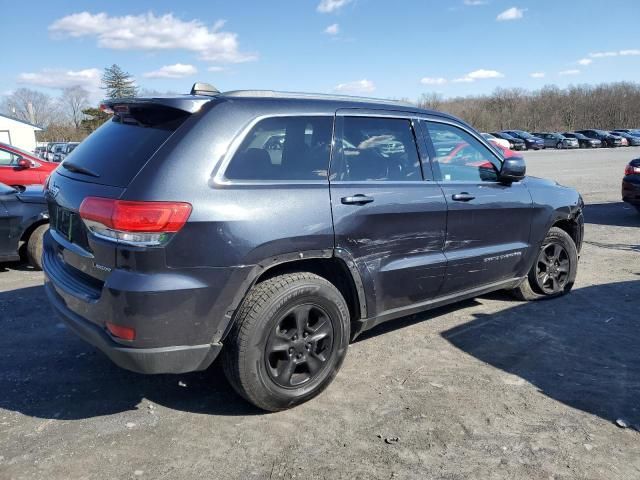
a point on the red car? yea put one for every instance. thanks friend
(18, 167)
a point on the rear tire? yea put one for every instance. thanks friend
(559, 145)
(554, 270)
(288, 341)
(34, 246)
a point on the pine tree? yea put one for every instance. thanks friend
(118, 83)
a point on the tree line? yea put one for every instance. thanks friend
(605, 106)
(71, 116)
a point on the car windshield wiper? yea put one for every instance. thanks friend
(72, 167)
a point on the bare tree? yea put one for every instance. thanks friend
(30, 106)
(606, 106)
(72, 101)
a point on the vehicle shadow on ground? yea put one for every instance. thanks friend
(581, 350)
(48, 372)
(618, 214)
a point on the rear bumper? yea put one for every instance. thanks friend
(175, 359)
(179, 316)
(631, 190)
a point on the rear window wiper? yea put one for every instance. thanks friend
(72, 167)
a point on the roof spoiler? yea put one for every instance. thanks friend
(186, 103)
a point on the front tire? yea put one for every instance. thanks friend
(288, 342)
(554, 270)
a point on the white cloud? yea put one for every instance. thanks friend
(481, 74)
(358, 86)
(513, 13)
(537, 75)
(333, 29)
(574, 71)
(475, 3)
(433, 81)
(151, 32)
(622, 53)
(178, 70)
(88, 78)
(328, 6)
(463, 80)
(585, 61)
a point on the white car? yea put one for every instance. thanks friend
(499, 141)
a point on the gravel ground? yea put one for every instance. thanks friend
(488, 388)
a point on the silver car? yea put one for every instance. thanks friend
(557, 140)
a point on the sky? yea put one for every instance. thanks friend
(374, 48)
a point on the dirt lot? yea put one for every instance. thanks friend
(490, 388)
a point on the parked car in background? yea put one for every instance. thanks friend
(631, 184)
(514, 142)
(65, 151)
(557, 140)
(19, 167)
(53, 148)
(606, 139)
(584, 141)
(632, 140)
(496, 141)
(164, 270)
(631, 131)
(40, 152)
(24, 219)
(532, 142)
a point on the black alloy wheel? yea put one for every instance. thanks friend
(552, 268)
(299, 345)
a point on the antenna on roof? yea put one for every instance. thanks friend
(200, 88)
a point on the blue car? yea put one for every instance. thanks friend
(531, 142)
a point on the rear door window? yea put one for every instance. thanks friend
(119, 149)
(284, 148)
(376, 149)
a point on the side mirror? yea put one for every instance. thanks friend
(24, 163)
(513, 169)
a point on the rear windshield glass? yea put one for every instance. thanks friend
(122, 146)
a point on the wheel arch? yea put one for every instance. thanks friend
(330, 265)
(26, 233)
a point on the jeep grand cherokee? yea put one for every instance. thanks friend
(272, 228)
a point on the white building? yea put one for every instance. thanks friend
(18, 133)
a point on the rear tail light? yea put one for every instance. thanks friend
(122, 332)
(134, 223)
(632, 170)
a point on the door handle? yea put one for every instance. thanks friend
(357, 199)
(462, 197)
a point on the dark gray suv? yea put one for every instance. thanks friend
(273, 228)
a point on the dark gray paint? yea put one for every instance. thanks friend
(19, 211)
(400, 253)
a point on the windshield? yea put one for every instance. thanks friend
(19, 151)
(525, 134)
